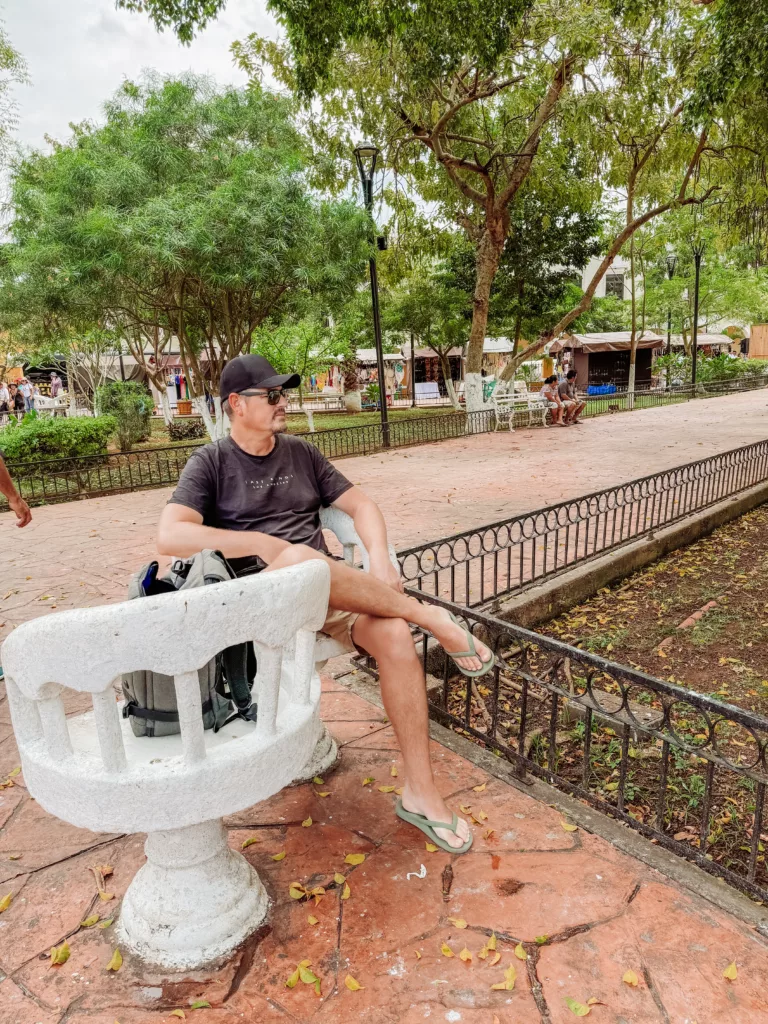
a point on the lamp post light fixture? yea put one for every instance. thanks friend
(366, 158)
(671, 268)
(698, 252)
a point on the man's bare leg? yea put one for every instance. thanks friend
(403, 690)
(355, 591)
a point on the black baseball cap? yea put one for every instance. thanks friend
(246, 372)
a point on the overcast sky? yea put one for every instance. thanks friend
(79, 51)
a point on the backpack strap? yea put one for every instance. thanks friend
(238, 665)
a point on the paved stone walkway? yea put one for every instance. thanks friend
(82, 553)
(602, 913)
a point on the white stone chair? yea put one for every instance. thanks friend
(194, 900)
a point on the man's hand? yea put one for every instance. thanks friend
(21, 508)
(382, 569)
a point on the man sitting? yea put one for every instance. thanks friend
(555, 404)
(255, 496)
(574, 406)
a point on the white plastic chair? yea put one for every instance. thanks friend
(195, 899)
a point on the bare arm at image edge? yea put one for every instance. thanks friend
(15, 501)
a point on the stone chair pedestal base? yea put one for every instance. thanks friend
(193, 902)
(324, 757)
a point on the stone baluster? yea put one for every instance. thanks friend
(108, 730)
(270, 661)
(54, 723)
(188, 702)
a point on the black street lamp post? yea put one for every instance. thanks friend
(366, 156)
(671, 267)
(698, 252)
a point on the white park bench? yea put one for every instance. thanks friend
(508, 403)
(195, 899)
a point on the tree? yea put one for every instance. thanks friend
(435, 313)
(187, 213)
(13, 71)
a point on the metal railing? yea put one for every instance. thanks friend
(682, 768)
(480, 565)
(53, 480)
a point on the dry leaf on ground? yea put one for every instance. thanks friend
(630, 978)
(567, 827)
(179, 1013)
(306, 823)
(577, 1009)
(105, 897)
(249, 842)
(393, 772)
(730, 972)
(430, 847)
(479, 789)
(446, 950)
(354, 858)
(200, 1004)
(279, 856)
(494, 959)
(89, 922)
(312, 920)
(339, 879)
(326, 793)
(458, 922)
(510, 976)
(116, 962)
(5, 902)
(59, 954)
(368, 781)
(352, 984)
(418, 954)
(520, 952)
(465, 955)
(346, 891)
(106, 922)
(318, 781)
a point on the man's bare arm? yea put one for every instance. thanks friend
(15, 501)
(372, 530)
(181, 532)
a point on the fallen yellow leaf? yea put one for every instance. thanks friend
(105, 869)
(306, 823)
(59, 954)
(293, 980)
(458, 922)
(730, 972)
(400, 791)
(339, 879)
(630, 978)
(510, 976)
(117, 962)
(279, 856)
(200, 1004)
(491, 943)
(354, 858)
(494, 959)
(446, 950)
(296, 891)
(312, 920)
(179, 1013)
(14, 772)
(482, 815)
(250, 842)
(479, 789)
(106, 922)
(368, 781)
(520, 952)
(89, 922)
(393, 772)
(465, 955)
(105, 897)
(5, 902)
(326, 793)
(386, 789)
(346, 892)
(577, 1009)
(352, 985)
(318, 781)
(567, 827)
(430, 847)
(465, 808)
(418, 954)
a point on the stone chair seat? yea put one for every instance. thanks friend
(195, 899)
(343, 528)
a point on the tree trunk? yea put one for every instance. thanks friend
(165, 405)
(633, 334)
(445, 366)
(218, 428)
(489, 252)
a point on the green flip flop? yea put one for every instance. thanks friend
(471, 653)
(428, 828)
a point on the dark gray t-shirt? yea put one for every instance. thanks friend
(280, 494)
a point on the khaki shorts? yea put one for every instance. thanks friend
(338, 626)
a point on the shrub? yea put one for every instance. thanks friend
(186, 430)
(131, 405)
(56, 438)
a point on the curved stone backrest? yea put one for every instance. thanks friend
(89, 649)
(343, 526)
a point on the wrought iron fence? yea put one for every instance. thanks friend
(53, 480)
(685, 770)
(477, 566)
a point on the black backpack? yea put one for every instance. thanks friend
(225, 682)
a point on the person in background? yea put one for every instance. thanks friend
(567, 392)
(551, 396)
(55, 385)
(5, 403)
(17, 401)
(26, 389)
(15, 501)
(35, 395)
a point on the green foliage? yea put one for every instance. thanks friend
(131, 406)
(186, 430)
(56, 438)
(708, 368)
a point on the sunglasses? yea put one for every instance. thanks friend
(273, 395)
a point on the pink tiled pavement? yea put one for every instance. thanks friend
(82, 553)
(597, 913)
